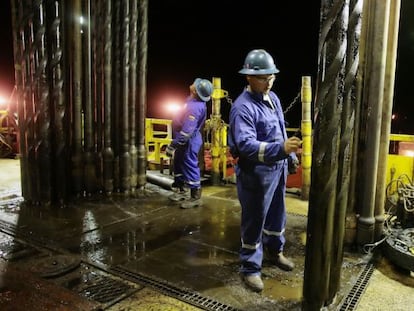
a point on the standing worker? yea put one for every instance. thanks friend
(259, 141)
(187, 142)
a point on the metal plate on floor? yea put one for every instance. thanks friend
(399, 248)
(54, 266)
(14, 251)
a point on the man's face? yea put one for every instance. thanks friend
(261, 83)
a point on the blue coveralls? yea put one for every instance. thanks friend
(257, 135)
(188, 141)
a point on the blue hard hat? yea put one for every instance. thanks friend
(204, 89)
(259, 62)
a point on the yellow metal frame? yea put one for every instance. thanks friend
(217, 129)
(218, 145)
(400, 165)
(158, 135)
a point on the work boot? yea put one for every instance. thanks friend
(181, 195)
(194, 200)
(253, 282)
(281, 261)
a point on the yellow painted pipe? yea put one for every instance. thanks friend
(306, 129)
(215, 123)
(223, 133)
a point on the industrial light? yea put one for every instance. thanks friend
(3, 102)
(406, 148)
(173, 106)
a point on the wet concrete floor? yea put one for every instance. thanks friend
(145, 253)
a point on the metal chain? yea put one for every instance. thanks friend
(292, 103)
(229, 100)
(295, 100)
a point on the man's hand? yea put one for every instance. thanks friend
(170, 151)
(292, 144)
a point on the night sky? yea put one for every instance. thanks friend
(211, 39)
(6, 50)
(214, 40)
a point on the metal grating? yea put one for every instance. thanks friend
(352, 299)
(95, 284)
(102, 288)
(190, 297)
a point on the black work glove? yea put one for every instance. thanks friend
(170, 151)
(293, 164)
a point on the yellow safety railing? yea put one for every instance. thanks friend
(158, 135)
(400, 159)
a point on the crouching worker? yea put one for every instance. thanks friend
(186, 144)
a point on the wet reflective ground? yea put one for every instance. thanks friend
(144, 253)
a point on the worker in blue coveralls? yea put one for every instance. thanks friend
(186, 144)
(258, 140)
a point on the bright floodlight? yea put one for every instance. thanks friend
(173, 106)
(3, 102)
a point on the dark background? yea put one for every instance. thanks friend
(188, 39)
(214, 40)
(6, 50)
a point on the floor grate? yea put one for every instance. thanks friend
(102, 288)
(188, 296)
(352, 299)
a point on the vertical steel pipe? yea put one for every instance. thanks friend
(88, 125)
(133, 150)
(108, 154)
(117, 94)
(345, 145)
(391, 59)
(322, 198)
(98, 39)
(125, 159)
(142, 82)
(71, 114)
(77, 150)
(376, 14)
(31, 106)
(42, 97)
(19, 69)
(58, 105)
(354, 93)
(306, 129)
